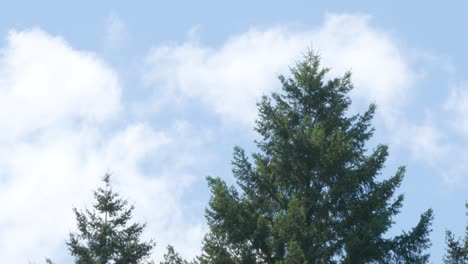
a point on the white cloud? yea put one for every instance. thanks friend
(43, 82)
(451, 165)
(231, 78)
(157, 195)
(57, 109)
(457, 105)
(426, 143)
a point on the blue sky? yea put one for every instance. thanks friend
(159, 93)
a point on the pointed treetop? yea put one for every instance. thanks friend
(312, 194)
(105, 234)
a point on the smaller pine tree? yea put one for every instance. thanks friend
(105, 234)
(172, 257)
(457, 251)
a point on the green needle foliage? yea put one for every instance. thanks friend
(457, 251)
(172, 257)
(312, 193)
(105, 234)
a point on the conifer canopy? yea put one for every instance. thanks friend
(105, 234)
(313, 193)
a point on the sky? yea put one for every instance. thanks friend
(159, 92)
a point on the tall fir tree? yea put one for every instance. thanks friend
(312, 193)
(457, 250)
(105, 234)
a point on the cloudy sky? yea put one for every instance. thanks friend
(158, 93)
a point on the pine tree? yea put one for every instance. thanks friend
(313, 193)
(457, 251)
(105, 234)
(172, 257)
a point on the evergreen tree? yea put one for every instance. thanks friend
(172, 257)
(457, 251)
(312, 193)
(105, 234)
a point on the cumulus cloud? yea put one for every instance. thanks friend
(43, 82)
(58, 112)
(229, 79)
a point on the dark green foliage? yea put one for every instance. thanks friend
(311, 194)
(172, 257)
(105, 234)
(457, 251)
(49, 261)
